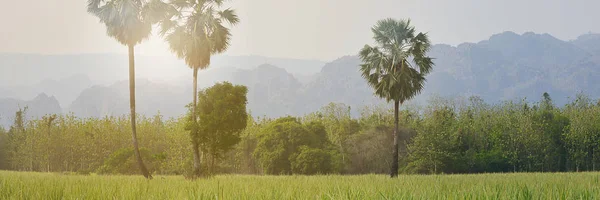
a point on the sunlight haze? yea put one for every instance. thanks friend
(309, 29)
(299, 99)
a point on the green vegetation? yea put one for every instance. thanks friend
(19, 185)
(129, 22)
(396, 67)
(286, 146)
(222, 111)
(446, 136)
(195, 32)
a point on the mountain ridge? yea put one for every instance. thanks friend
(507, 66)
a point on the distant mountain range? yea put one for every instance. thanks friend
(37, 107)
(507, 66)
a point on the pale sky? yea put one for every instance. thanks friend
(305, 29)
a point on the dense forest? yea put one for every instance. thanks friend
(446, 136)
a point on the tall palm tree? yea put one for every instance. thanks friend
(195, 31)
(129, 22)
(396, 67)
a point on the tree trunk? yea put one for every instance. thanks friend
(136, 149)
(394, 170)
(196, 170)
(195, 142)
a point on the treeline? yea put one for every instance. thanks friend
(446, 136)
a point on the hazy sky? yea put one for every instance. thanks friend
(309, 29)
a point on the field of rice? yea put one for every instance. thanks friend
(27, 185)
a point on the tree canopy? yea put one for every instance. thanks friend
(396, 67)
(223, 116)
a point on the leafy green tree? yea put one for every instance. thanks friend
(3, 149)
(339, 125)
(16, 138)
(241, 159)
(311, 161)
(552, 123)
(396, 67)
(435, 148)
(367, 151)
(583, 133)
(222, 111)
(129, 22)
(282, 141)
(195, 31)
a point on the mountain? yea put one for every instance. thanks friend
(113, 100)
(589, 42)
(339, 81)
(37, 107)
(65, 90)
(510, 66)
(105, 69)
(272, 91)
(507, 66)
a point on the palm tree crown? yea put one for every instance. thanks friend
(397, 66)
(195, 30)
(128, 21)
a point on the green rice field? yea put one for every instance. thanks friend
(27, 185)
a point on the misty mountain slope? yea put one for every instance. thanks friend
(113, 100)
(507, 66)
(64, 90)
(297, 67)
(37, 107)
(510, 66)
(339, 81)
(589, 42)
(272, 91)
(105, 69)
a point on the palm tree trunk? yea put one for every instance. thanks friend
(394, 170)
(195, 142)
(136, 149)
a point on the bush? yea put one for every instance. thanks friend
(312, 161)
(287, 146)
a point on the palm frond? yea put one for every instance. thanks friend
(156, 10)
(386, 67)
(93, 6)
(124, 19)
(182, 3)
(229, 16)
(198, 34)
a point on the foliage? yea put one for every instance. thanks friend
(222, 114)
(3, 149)
(396, 68)
(195, 30)
(447, 136)
(122, 161)
(339, 126)
(283, 140)
(312, 161)
(128, 21)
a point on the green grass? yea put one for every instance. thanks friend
(25, 185)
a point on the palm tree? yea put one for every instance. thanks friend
(195, 31)
(129, 22)
(396, 67)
